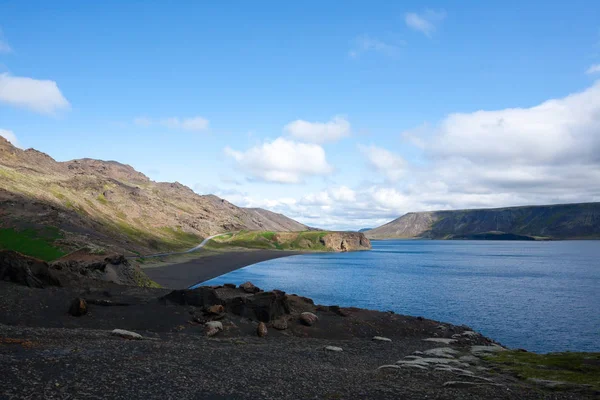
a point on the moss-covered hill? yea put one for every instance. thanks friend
(297, 241)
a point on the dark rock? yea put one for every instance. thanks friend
(280, 324)
(261, 330)
(308, 318)
(28, 271)
(249, 287)
(78, 307)
(263, 306)
(200, 297)
(230, 285)
(339, 311)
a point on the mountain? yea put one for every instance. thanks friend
(364, 230)
(105, 204)
(561, 221)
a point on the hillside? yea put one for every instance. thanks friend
(49, 208)
(300, 241)
(561, 221)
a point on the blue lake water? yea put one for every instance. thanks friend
(541, 296)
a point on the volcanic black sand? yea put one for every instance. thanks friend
(182, 275)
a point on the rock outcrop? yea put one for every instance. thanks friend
(346, 241)
(25, 270)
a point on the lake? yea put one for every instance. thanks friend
(540, 296)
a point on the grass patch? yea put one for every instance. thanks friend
(101, 199)
(575, 368)
(293, 241)
(37, 243)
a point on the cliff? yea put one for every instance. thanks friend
(561, 221)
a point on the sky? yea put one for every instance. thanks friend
(342, 115)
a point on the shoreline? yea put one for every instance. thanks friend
(187, 273)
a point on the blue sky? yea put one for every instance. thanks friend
(339, 114)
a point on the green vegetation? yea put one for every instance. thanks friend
(573, 368)
(142, 280)
(32, 242)
(101, 199)
(308, 240)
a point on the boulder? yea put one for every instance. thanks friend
(199, 297)
(230, 285)
(263, 306)
(308, 318)
(24, 270)
(249, 287)
(280, 324)
(261, 330)
(215, 309)
(78, 307)
(211, 328)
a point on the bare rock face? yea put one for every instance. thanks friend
(249, 287)
(24, 270)
(346, 241)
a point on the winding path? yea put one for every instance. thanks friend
(201, 245)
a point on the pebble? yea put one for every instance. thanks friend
(333, 348)
(382, 339)
(389, 367)
(440, 340)
(126, 334)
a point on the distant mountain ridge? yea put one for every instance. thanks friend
(112, 205)
(559, 221)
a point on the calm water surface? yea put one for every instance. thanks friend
(541, 296)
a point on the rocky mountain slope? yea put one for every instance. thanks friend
(109, 206)
(561, 221)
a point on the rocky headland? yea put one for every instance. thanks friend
(62, 337)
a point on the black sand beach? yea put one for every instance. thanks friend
(185, 274)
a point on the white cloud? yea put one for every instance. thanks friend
(319, 132)
(42, 96)
(282, 161)
(545, 154)
(593, 69)
(383, 161)
(197, 124)
(11, 137)
(424, 22)
(365, 43)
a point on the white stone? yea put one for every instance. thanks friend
(126, 334)
(389, 367)
(445, 352)
(417, 366)
(382, 339)
(333, 348)
(440, 340)
(214, 325)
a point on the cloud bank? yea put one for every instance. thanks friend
(42, 96)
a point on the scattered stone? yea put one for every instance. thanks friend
(333, 348)
(469, 359)
(280, 324)
(418, 353)
(389, 367)
(249, 287)
(432, 361)
(215, 309)
(126, 334)
(412, 357)
(484, 350)
(441, 327)
(308, 318)
(464, 384)
(440, 340)
(212, 328)
(447, 368)
(469, 334)
(261, 331)
(78, 307)
(381, 339)
(416, 366)
(444, 352)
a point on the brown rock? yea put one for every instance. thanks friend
(215, 309)
(308, 318)
(262, 329)
(78, 307)
(249, 287)
(280, 324)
